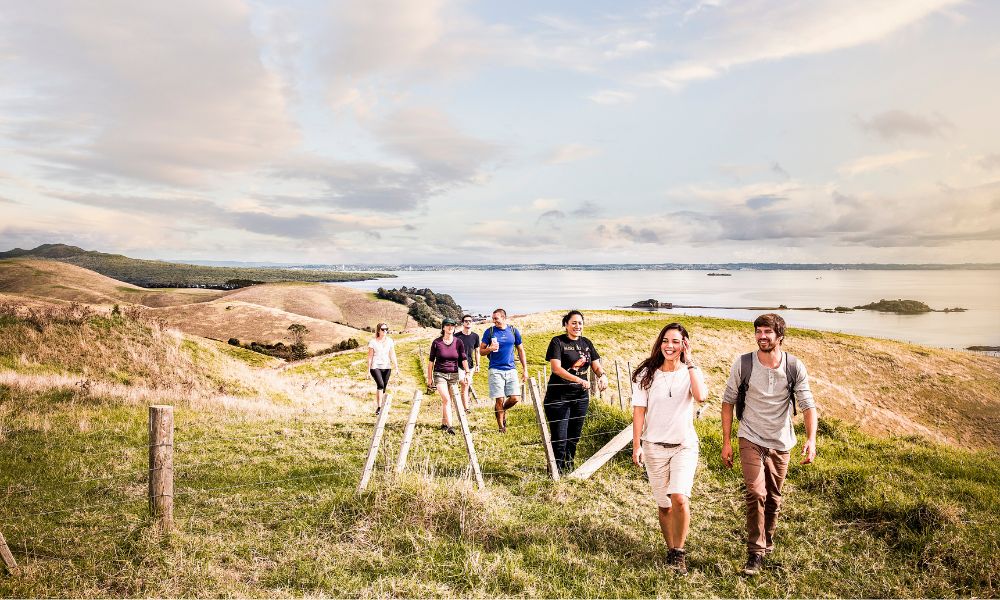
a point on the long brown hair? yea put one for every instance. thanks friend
(647, 368)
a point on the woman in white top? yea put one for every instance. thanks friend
(665, 387)
(381, 356)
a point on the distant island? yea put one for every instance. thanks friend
(904, 307)
(720, 274)
(901, 307)
(160, 274)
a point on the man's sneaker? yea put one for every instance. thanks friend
(444, 427)
(451, 430)
(676, 560)
(755, 562)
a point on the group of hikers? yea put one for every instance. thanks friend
(765, 389)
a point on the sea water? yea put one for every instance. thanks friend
(978, 291)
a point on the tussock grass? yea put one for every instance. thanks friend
(266, 505)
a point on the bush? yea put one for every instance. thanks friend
(426, 307)
(234, 342)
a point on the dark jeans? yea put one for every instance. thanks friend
(381, 377)
(565, 417)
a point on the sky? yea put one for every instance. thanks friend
(440, 131)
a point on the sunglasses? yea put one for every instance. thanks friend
(383, 329)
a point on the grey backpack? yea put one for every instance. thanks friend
(792, 373)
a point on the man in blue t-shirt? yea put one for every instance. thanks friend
(499, 343)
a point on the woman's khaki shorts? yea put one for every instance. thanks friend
(670, 470)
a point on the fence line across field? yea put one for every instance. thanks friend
(162, 466)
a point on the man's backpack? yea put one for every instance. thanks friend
(746, 367)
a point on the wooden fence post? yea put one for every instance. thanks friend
(8, 558)
(469, 445)
(376, 440)
(603, 455)
(161, 465)
(411, 423)
(618, 378)
(543, 427)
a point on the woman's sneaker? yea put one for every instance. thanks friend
(451, 430)
(676, 560)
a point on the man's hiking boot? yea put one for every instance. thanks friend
(444, 427)
(755, 562)
(676, 560)
(451, 430)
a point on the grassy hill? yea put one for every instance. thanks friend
(157, 274)
(259, 313)
(267, 462)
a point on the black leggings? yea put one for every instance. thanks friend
(381, 377)
(565, 416)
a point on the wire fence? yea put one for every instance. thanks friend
(47, 521)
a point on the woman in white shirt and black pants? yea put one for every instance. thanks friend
(665, 387)
(381, 356)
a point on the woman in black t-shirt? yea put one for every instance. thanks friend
(568, 394)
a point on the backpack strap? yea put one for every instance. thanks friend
(792, 373)
(746, 367)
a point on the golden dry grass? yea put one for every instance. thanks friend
(52, 279)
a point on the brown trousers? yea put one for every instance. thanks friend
(764, 472)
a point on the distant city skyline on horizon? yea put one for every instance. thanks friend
(448, 132)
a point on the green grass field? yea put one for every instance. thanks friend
(265, 501)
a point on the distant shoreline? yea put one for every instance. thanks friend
(715, 267)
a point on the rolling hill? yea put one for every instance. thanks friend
(156, 274)
(260, 313)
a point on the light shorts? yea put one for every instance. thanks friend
(445, 379)
(504, 383)
(670, 470)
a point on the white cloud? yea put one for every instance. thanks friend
(165, 92)
(544, 203)
(624, 49)
(611, 97)
(879, 162)
(571, 153)
(754, 31)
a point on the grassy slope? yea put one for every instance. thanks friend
(50, 279)
(259, 313)
(155, 273)
(891, 516)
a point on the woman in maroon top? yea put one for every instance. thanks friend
(447, 357)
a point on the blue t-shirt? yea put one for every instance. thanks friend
(509, 337)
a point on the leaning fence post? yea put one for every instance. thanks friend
(469, 445)
(383, 416)
(618, 378)
(411, 423)
(543, 427)
(8, 558)
(161, 465)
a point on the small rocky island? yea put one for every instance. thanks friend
(904, 307)
(720, 274)
(652, 303)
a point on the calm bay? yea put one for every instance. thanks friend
(480, 291)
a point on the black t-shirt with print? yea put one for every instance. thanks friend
(471, 342)
(575, 356)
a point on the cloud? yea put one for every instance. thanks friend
(437, 158)
(208, 215)
(551, 218)
(571, 153)
(638, 235)
(628, 48)
(544, 203)
(764, 201)
(116, 90)
(756, 30)
(427, 137)
(610, 97)
(894, 124)
(990, 162)
(879, 162)
(587, 210)
(778, 170)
